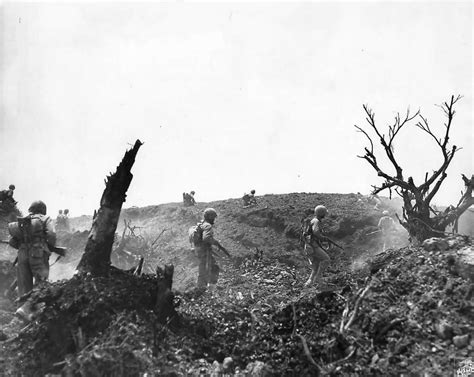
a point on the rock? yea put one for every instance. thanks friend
(448, 288)
(461, 341)
(466, 262)
(216, 369)
(456, 242)
(3, 336)
(444, 330)
(227, 364)
(435, 244)
(257, 369)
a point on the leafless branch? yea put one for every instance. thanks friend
(368, 137)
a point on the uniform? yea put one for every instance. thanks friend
(208, 268)
(318, 257)
(32, 240)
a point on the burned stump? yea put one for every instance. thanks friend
(96, 258)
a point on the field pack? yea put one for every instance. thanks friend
(306, 229)
(195, 234)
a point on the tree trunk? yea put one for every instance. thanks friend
(164, 307)
(96, 258)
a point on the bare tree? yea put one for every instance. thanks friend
(420, 220)
(96, 258)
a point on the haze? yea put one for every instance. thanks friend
(226, 97)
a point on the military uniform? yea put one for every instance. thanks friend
(386, 225)
(208, 268)
(317, 256)
(33, 252)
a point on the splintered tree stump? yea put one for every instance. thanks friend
(96, 258)
(164, 307)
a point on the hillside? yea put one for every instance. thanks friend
(272, 226)
(408, 311)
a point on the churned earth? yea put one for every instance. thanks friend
(408, 311)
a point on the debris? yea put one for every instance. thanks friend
(461, 341)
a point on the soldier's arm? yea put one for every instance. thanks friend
(317, 231)
(208, 237)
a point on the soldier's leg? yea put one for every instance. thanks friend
(214, 273)
(202, 277)
(322, 260)
(39, 264)
(313, 263)
(24, 274)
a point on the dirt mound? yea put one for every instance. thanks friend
(405, 322)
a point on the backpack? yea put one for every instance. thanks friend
(195, 234)
(306, 229)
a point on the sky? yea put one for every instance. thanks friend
(227, 97)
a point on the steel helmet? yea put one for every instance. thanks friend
(252, 192)
(385, 213)
(320, 211)
(210, 214)
(66, 211)
(37, 206)
(192, 192)
(11, 187)
(60, 211)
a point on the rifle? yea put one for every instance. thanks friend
(223, 249)
(331, 242)
(53, 249)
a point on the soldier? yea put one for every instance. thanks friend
(249, 199)
(386, 226)
(67, 226)
(208, 268)
(316, 253)
(6, 196)
(32, 236)
(191, 199)
(188, 199)
(59, 221)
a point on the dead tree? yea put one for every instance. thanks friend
(417, 197)
(96, 258)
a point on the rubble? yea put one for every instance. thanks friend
(410, 316)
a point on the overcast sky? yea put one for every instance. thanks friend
(226, 97)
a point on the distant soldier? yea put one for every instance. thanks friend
(59, 225)
(188, 199)
(67, 226)
(313, 246)
(6, 196)
(32, 235)
(249, 199)
(208, 268)
(387, 227)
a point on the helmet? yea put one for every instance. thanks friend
(192, 192)
(252, 191)
(66, 211)
(385, 213)
(320, 211)
(11, 187)
(210, 214)
(37, 206)
(60, 211)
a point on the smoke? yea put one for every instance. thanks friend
(60, 271)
